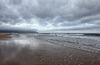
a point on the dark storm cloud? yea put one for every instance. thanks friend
(57, 13)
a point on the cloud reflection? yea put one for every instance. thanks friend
(20, 40)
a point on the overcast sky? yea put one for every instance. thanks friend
(50, 15)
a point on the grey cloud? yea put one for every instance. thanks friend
(58, 13)
(15, 2)
(85, 28)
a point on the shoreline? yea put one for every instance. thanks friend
(86, 44)
(40, 52)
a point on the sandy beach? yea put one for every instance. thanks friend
(29, 49)
(4, 35)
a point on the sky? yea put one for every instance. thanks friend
(50, 15)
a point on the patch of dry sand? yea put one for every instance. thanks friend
(5, 35)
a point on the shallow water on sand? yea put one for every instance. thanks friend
(27, 49)
(87, 43)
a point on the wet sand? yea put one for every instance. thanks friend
(44, 53)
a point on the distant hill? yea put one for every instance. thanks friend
(17, 31)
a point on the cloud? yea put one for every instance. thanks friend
(51, 14)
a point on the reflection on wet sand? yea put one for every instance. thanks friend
(25, 49)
